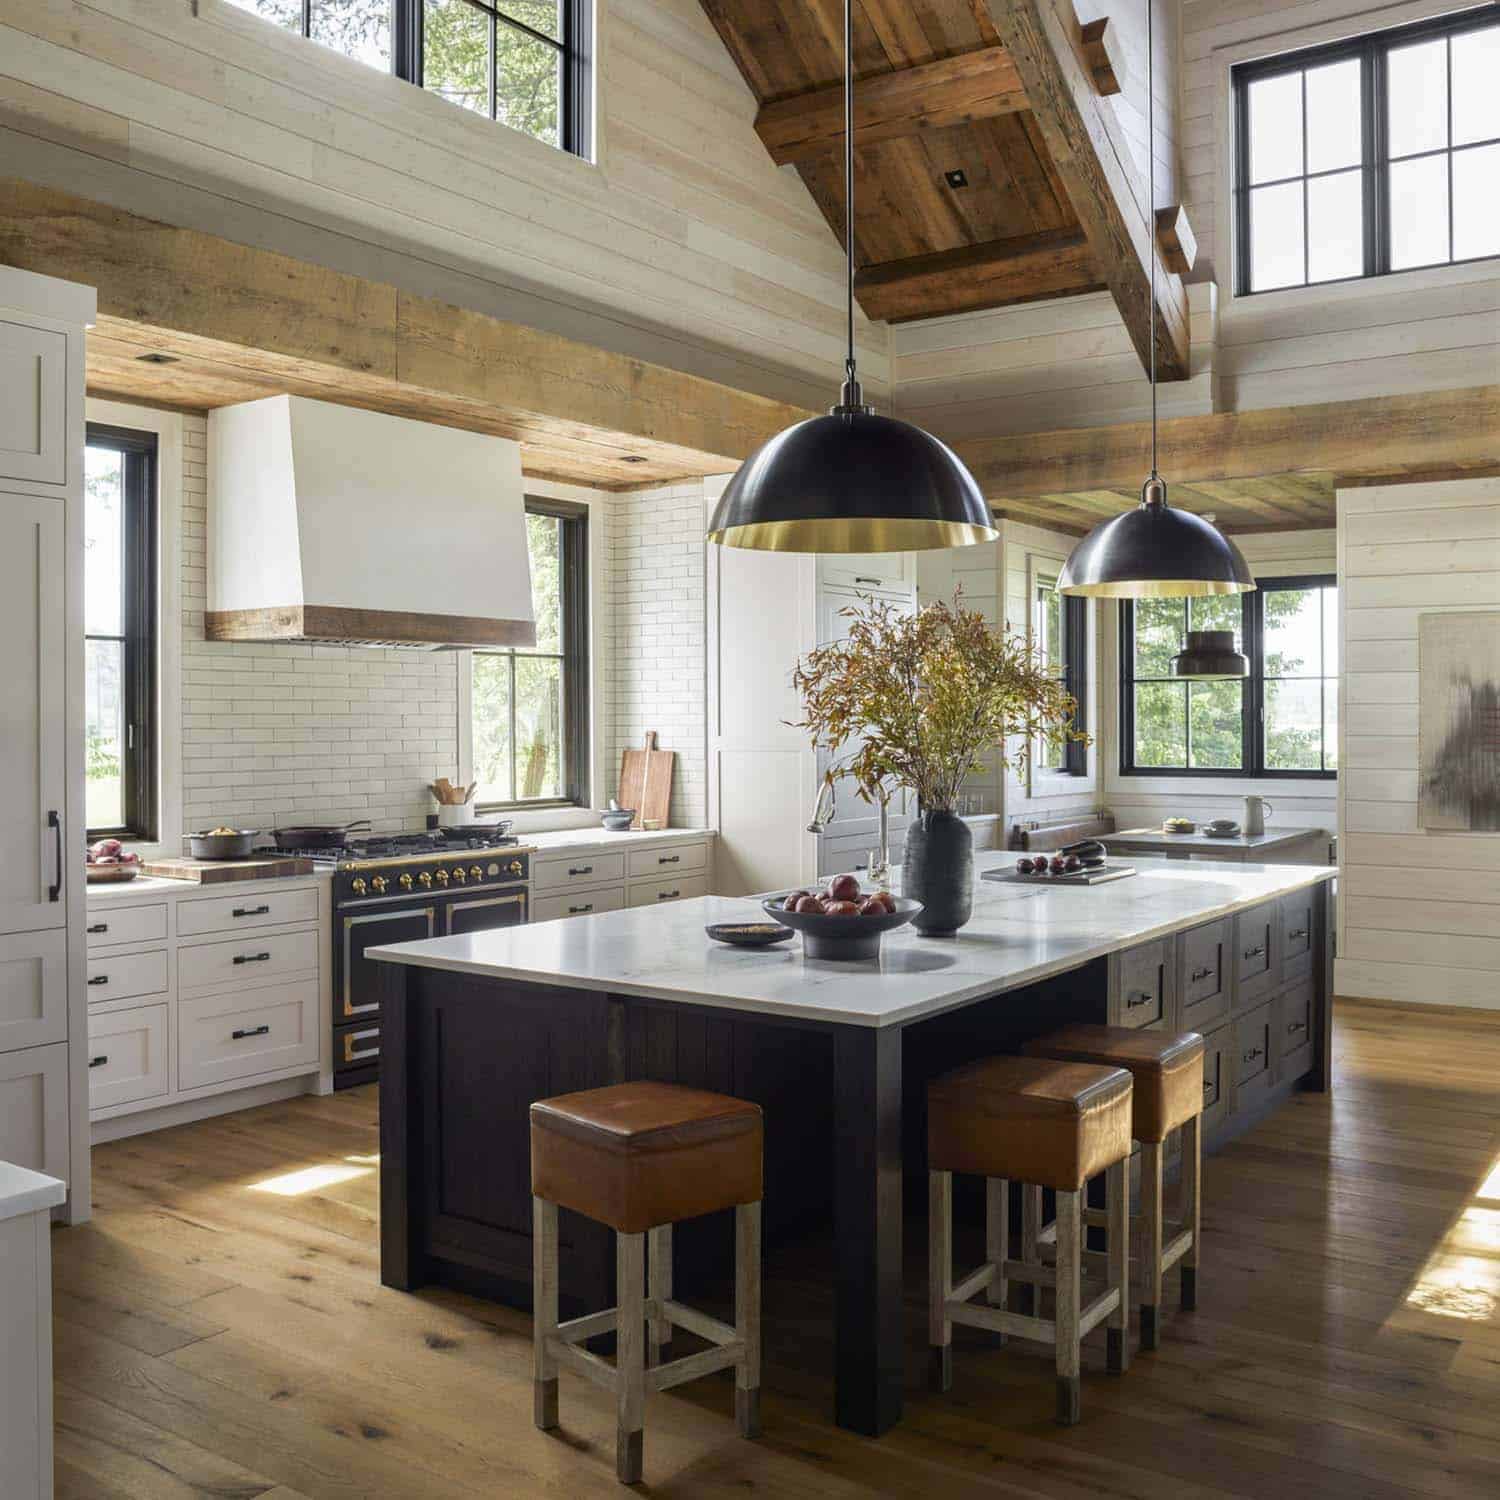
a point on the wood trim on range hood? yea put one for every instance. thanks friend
(330, 624)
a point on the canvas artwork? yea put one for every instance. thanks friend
(1458, 661)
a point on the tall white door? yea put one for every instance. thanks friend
(33, 892)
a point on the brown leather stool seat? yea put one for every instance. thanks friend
(636, 1155)
(1167, 1070)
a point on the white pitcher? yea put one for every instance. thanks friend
(1256, 811)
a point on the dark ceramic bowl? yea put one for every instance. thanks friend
(842, 938)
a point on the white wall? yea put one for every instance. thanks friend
(682, 244)
(1420, 911)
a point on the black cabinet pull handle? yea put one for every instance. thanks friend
(1297, 932)
(251, 911)
(239, 1036)
(1252, 1054)
(251, 958)
(1256, 951)
(98, 927)
(858, 579)
(1138, 997)
(100, 979)
(99, 1062)
(574, 911)
(1293, 1027)
(667, 895)
(1202, 973)
(669, 859)
(1208, 1087)
(580, 869)
(54, 822)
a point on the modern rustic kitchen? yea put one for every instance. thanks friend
(749, 746)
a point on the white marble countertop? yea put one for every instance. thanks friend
(1159, 838)
(1019, 934)
(23, 1191)
(161, 887)
(570, 839)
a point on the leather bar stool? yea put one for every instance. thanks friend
(1167, 1071)
(639, 1157)
(1043, 1122)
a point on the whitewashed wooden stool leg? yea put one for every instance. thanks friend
(1117, 1332)
(747, 1317)
(1192, 1188)
(659, 1289)
(544, 1312)
(1069, 1306)
(630, 1355)
(1031, 1249)
(940, 1278)
(997, 1240)
(1151, 1237)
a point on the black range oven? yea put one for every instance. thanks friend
(430, 890)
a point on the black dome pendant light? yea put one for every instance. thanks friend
(1155, 551)
(851, 481)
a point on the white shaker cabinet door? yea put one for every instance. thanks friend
(34, 843)
(33, 425)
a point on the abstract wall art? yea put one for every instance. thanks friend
(1458, 694)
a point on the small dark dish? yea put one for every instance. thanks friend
(748, 934)
(495, 830)
(844, 939)
(238, 845)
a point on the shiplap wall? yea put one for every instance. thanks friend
(1420, 917)
(1139, 801)
(683, 244)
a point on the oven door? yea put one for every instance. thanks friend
(361, 984)
(484, 909)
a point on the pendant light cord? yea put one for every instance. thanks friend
(1151, 209)
(851, 394)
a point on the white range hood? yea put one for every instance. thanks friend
(331, 524)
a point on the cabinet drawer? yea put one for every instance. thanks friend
(255, 908)
(252, 959)
(1203, 975)
(1217, 1052)
(655, 892)
(1296, 933)
(127, 1055)
(34, 431)
(1254, 935)
(113, 978)
(1294, 1030)
(1252, 1046)
(577, 903)
(220, 1037)
(34, 1109)
(125, 924)
(580, 870)
(681, 859)
(1143, 985)
(33, 989)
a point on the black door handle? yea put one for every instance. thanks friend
(99, 1062)
(1256, 951)
(1297, 932)
(1138, 997)
(251, 958)
(668, 859)
(574, 911)
(1252, 1054)
(253, 1031)
(98, 927)
(580, 869)
(100, 979)
(250, 911)
(1200, 974)
(1293, 1027)
(54, 822)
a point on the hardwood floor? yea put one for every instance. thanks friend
(221, 1330)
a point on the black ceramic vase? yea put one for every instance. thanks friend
(938, 870)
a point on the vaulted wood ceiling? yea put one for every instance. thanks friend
(1009, 93)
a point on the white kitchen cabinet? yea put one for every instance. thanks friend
(245, 1033)
(583, 880)
(34, 1108)
(128, 1055)
(33, 415)
(33, 989)
(868, 570)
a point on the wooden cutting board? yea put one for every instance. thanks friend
(646, 781)
(221, 871)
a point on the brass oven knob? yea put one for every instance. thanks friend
(378, 882)
(475, 873)
(358, 885)
(441, 877)
(459, 873)
(515, 867)
(405, 882)
(424, 880)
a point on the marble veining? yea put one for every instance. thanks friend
(1019, 934)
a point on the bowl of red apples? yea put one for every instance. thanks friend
(110, 862)
(841, 921)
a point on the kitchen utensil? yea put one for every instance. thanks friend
(301, 836)
(454, 814)
(843, 939)
(1088, 875)
(1257, 809)
(748, 934)
(110, 874)
(235, 845)
(618, 819)
(646, 781)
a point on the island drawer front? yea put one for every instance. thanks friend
(220, 1037)
(577, 903)
(1204, 975)
(669, 888)
(125, 924)
(1217, 1051)
(579, 870)
(127, 974)
(127, 1055)
(1296, 933)
(680, 859)
(1254, 951)
(356, 1046)
(1294, 1029)
(1252, 1046)
(253, 908)
(1143, 985)
(255, 957)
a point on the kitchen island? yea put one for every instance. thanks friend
(838, 1055)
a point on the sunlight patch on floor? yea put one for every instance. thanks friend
(1461, 1278)
(309, 1179)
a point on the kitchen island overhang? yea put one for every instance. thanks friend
(488, 1022)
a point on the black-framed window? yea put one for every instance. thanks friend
(119, 591)
(529, 707)
(1282, 720)
(1369, 156)
(1059, 635)
(522, 62)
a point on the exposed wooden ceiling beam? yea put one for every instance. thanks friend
(931, 96)
(1447, 432)
(1093, 160)
(1056, 264)
(244, 322)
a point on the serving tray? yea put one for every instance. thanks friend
(1096, 876)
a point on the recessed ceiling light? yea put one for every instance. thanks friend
(157, 359)
(956, 178)
(632, 458)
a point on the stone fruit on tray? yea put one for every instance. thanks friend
(791, 901)
(808, 904)
(843, 888)
(1024, 867)
(840, 909)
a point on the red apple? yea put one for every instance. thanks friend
(808, 905)
(841, 909)
(843, 888)
(873, 906)
(790, 904)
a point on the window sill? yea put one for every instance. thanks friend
(1425, 278)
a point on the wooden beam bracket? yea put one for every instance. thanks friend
(1175, 239)
(1103, 56)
